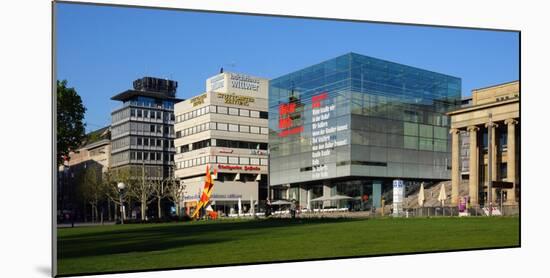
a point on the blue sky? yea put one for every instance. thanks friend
(101, 50)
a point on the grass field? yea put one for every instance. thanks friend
(146, 246)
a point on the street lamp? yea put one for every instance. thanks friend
(121, 187)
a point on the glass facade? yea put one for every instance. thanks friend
(357, 116)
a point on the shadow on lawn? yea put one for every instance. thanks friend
(163, 237)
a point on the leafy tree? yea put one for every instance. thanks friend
(91, 189)
(142, 190)
(110, 181)
(70, 127)
(174, 191)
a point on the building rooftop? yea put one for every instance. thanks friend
(129, 94)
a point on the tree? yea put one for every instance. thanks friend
(91, 188)
(110, 181)
(159, 190)
(70, 113)
(174, 191)
(142, 190)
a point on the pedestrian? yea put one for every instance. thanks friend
(293, 209)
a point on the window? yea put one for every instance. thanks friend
(263, 114)
(244, 128)
(255, 129)
(178, 134)
(213, 109)
(222, 126)
(139, 141)
(233, 160)
(145, 155)
(132, 112)
(146, 141)
(244, 112)
(212, 159)
(244, 160)
(233, 111)
(263, 161)
(264, 130)
(193, 113)
(152, 128)
(139, 113)
(254, 161)
(199, 112)
(254, 114)
(233, 127)
(138, 155)
(153, 115)
(203, 160)
(222, 159)
(159, 143)
(222, 110)
(132, 155)
(213, 126)
(153, 142)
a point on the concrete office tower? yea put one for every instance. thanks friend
(142, 130)
(225, 128)
(350, 125)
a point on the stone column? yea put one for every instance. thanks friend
(494, 171)
(511, 164)
(455, 166)
(474, 166)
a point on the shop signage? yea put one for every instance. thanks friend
(245, 82)
(236, 99)
(238, 167)
(198, 100)
(225, 151)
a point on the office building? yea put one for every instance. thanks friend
(225, 128)
(142, 129)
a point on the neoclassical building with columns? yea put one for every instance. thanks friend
(494, 108)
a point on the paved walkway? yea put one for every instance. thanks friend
(84, 224)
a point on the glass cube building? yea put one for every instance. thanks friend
(350, 125)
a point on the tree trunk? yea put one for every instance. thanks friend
(177, 208)
(158, 208)
(96, 212)
(109, 210)
(116, 212)
(143, 209)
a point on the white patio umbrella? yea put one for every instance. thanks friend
(421, 197)
(442, 195)
(281, 202)
(239, 204)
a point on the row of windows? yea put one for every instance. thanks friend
(154, 156)
(223, 127)
(151, 114)
(221, 110)
(222, 143)
(142, 127)
(220, 159)
(142, 113)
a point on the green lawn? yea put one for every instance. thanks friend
(146, 246)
